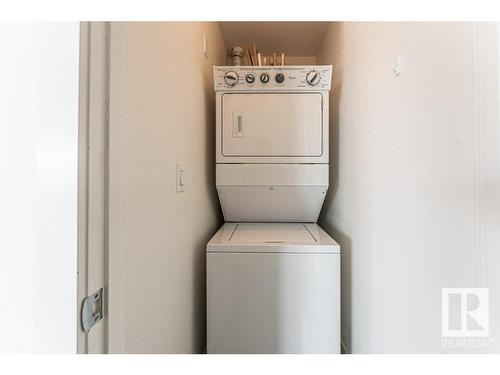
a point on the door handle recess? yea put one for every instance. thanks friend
(238, 125)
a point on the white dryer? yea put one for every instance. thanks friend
(271, 143)
(273, 276)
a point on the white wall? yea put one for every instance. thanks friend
(415, 177)
(38, 192)
(161, 113)
(300, 60)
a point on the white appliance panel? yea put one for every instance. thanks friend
(275, 233)
(272, 238)
(271, 203)
(272, 124)
(294, 78)
(271, 174)
(271, 192)
(273, 303)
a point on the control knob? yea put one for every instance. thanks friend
(313, 78)
(250, 78)
(231, 78)
(264, 78)
(279, 78)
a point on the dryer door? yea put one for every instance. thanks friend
(272, 124)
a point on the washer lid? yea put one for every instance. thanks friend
(272, 238)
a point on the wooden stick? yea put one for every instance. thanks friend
(254, 53)
(249, 59)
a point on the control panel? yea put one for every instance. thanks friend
(276, 78)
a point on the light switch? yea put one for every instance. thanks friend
(396, 66)
(180, 178)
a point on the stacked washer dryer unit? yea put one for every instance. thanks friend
(273, 275)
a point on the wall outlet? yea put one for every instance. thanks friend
(205, 45)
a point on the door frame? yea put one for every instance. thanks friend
(92, 179)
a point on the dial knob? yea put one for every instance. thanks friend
(250, 78)
(313, 78)
(279, 78)
(264, 78)
(231, 78)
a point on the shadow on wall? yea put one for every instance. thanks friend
(326, 222)
(210, 143)
(199, 267)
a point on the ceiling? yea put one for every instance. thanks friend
(292, 38)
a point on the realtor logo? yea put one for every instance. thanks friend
(465, 312)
